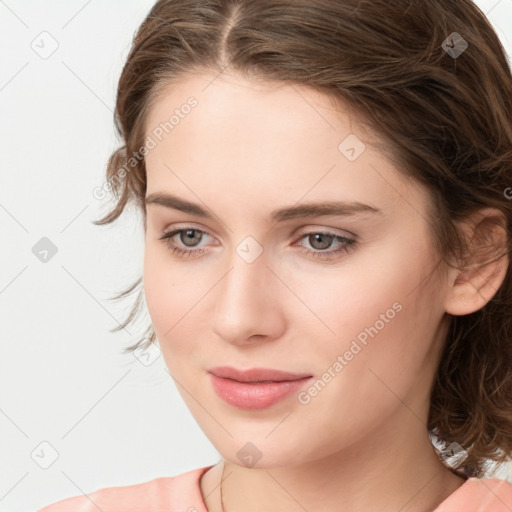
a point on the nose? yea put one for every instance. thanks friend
(247, 307)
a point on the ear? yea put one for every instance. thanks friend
(485, 267)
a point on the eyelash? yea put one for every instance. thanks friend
(349, 244)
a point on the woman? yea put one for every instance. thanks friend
(325, 189)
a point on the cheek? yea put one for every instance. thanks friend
(340, 303)
(158, 288)
(168, 293)
(175, 296)
(374, 315)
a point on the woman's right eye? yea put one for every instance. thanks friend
(191, 234)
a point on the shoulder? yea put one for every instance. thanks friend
(167, 494)
(480, 495)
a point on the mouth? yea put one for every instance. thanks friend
(256, 388)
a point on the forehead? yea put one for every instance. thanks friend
(269, 107)
(263, 138)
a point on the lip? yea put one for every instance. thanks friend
(255, 374)
(258, 388)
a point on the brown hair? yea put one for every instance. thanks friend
(446, 121)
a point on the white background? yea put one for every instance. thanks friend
(112, 420)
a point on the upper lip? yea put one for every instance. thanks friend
(255, 374)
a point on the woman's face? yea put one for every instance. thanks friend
(360, 314)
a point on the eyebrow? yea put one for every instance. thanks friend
(303, 210)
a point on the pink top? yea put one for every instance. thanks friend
(182, 493)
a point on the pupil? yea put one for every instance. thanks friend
(327, 242)
(188, 231)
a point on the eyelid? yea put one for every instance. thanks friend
(205, 233)
(349, 239)
(319, 229)
(296, 233)
(348, 243)
(187, 225)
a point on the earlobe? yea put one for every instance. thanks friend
(473, 286)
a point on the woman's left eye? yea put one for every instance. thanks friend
(323, 238)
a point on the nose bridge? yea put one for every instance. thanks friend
(247, 267)
(244, 293)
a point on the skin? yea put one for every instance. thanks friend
(246, 149)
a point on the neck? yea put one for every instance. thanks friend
(391, 478)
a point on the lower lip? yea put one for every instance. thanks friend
(254, 396)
